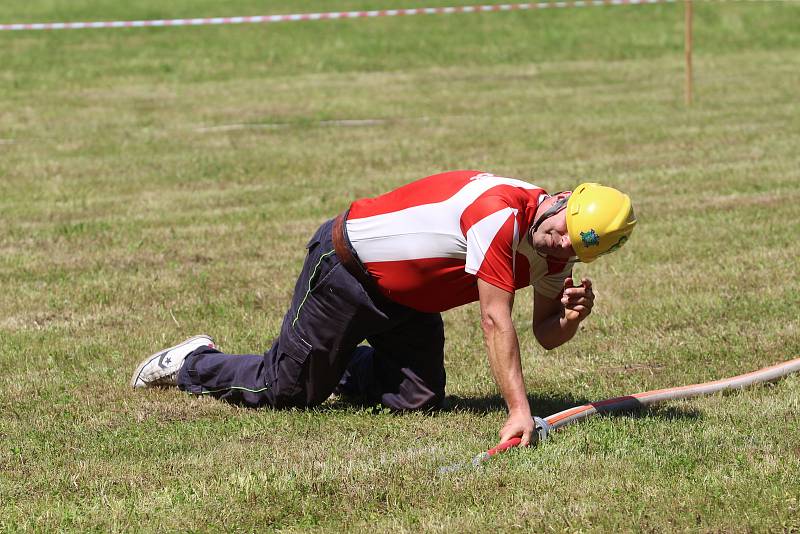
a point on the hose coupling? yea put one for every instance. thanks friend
(542, 428)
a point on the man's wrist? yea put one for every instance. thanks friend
(520, 409)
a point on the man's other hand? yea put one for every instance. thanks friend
(577, 300)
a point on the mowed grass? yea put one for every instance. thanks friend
(159, 183)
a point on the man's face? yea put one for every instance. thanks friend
(552, 239)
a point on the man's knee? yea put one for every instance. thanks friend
(303, 386)
(301, 395)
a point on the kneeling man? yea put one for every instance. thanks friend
(384, 270)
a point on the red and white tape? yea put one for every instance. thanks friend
(265, 19)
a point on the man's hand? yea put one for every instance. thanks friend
(577, 300)
(519, 425)
(555, 320)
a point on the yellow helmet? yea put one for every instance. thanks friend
(599, 220)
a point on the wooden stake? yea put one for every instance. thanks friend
(688, 49)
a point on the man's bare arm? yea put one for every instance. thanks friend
(556, 320)
(504, 359)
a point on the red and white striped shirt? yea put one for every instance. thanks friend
(426, 242)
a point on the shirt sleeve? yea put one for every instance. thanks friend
(492, 233)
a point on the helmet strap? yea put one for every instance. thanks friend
(557, 206)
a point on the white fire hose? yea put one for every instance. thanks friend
(631, 402)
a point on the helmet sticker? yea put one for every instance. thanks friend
(617, 245)
(590, 238)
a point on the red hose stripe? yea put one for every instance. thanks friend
(553, 419)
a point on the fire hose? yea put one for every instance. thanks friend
(544, 426)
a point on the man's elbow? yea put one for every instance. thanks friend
(494, 324)
(488, 325)
(546, 345)
(546, 342)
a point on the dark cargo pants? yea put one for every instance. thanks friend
(317, 349)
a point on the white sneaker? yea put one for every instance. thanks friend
(161, 369)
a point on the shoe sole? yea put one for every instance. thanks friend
(138, 372)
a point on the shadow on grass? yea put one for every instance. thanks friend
(543, 407)
(546, 406)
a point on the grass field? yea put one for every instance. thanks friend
(158, 183)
